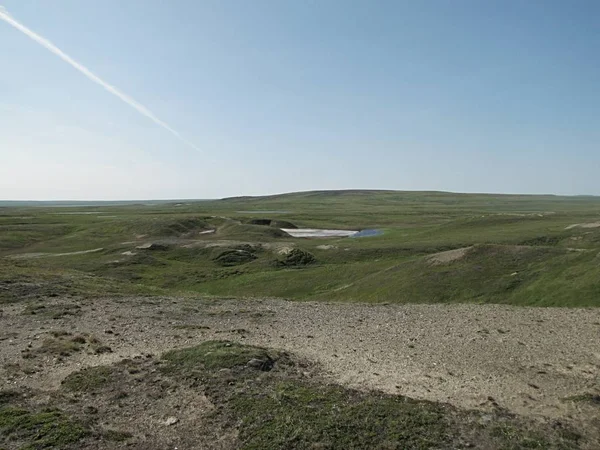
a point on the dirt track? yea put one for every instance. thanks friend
(527, 360)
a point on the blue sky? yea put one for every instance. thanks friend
(278, 96)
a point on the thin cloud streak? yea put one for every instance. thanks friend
(89, 74)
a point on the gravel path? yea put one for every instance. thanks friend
(527, 360)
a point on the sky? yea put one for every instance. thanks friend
(275, 96)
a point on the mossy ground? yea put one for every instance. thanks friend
(282, 409)
(284, 404)
(39, 429)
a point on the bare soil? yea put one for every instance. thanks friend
(529, 361)
(448, 256)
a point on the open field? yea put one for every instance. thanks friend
(520, 250)
(431, 334)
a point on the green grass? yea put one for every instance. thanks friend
(39, 430)
(55, 311)
(212, 355)
(282, 409)
(559, 267)
(589, 398)
(304, 415)
(89, 379)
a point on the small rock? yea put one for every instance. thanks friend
(171, 421)
(255, 362)
(535, 386)
(263, 364)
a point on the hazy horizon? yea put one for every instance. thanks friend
(155, 100)
(191, 199)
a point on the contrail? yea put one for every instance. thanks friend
(96, 79)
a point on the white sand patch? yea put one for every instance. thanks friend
(584, 225)
(207, 232)
(75, 213)
(325, 247)
(345, 286)
(43, 255)
(448, 256)
(129, 253)
(284, 250)
(315, 232)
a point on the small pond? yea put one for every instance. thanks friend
(367, 233)
(317, 232)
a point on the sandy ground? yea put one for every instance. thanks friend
(527, 360)
(584, 225)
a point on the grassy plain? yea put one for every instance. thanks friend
(513, 249)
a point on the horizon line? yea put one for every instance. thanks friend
(170, 199)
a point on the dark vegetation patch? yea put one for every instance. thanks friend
(139, 259)
(26, 281)
(89, 379)
(54, 311)
(195, 277)
(297, 258)
(64, 344)
(213, 355)
(155, 246)
(21, 234)
(181, 226)
(307, 415)
(191, 327)
(272, 223)
(116, 435)
(39, 429)
(8, 396)
(20, 287)
(250, 232)
(54, 346)
(543, 240)
(235, 256)
(589, 398)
